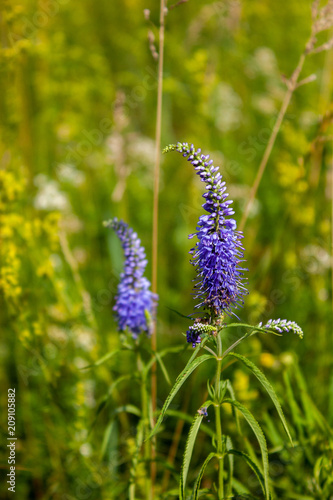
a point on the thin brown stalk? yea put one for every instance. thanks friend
(155, 214)
(332, 224)
(292, 84)
(291, 87)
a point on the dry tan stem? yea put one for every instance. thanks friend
(155, 216)
(291, 86)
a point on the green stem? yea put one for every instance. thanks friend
(145, 418)
(218, 418)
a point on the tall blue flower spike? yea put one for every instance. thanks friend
(217, 255)
(135, 303)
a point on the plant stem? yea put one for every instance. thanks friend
(218, 418)
(145, 418)
(155, 217)
(291, 87)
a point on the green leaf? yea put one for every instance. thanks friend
(189, 368)
(266, 384)
(229, 447)
(192, 435)
(163, 353)
(230, 389)
(135, 457)
(179, 313)
(163, 368)
(253, 466)
(200, 475)
(107, 397)
(106, 439)
(259, 435)
(189, 418)
(197, 349)
(129, 409)
(102, 360)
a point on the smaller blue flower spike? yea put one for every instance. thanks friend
(218, 252)
(135, 303)
(282, 325)
(197, 330)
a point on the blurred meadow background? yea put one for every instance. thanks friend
(78, 98)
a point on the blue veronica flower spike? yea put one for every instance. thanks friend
(135, 303)
(283, 325)
(218, 253)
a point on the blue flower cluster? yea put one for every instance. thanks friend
(195, 332)
(135, 303)
(218, 252)
(282, 325)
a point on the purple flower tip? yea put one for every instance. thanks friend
(282, 326)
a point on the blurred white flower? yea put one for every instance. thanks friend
(83, 337)
(264, 104)
(226, 108)
(141, 149)
(265, 61)
(115, 144)
(80, 363)
(308, 119)
(49, 196)
(262, 62)
(86, 449)
(68, 173)
(317, 259)
(58, 334)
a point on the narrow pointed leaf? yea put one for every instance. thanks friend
(102, 360)
(179, 313)
(260, 437)
(163, 368)
(229, 447)
(163, 353)
(230, 389)
(107, 397)
(251, 464)
(129, 409)
(189, 418)
(106, 439)
(189, 368)
(192, 435)
(266, 384)
(200, 475)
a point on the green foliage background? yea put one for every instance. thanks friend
(78, 106)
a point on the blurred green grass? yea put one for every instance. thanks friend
(77, 104)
